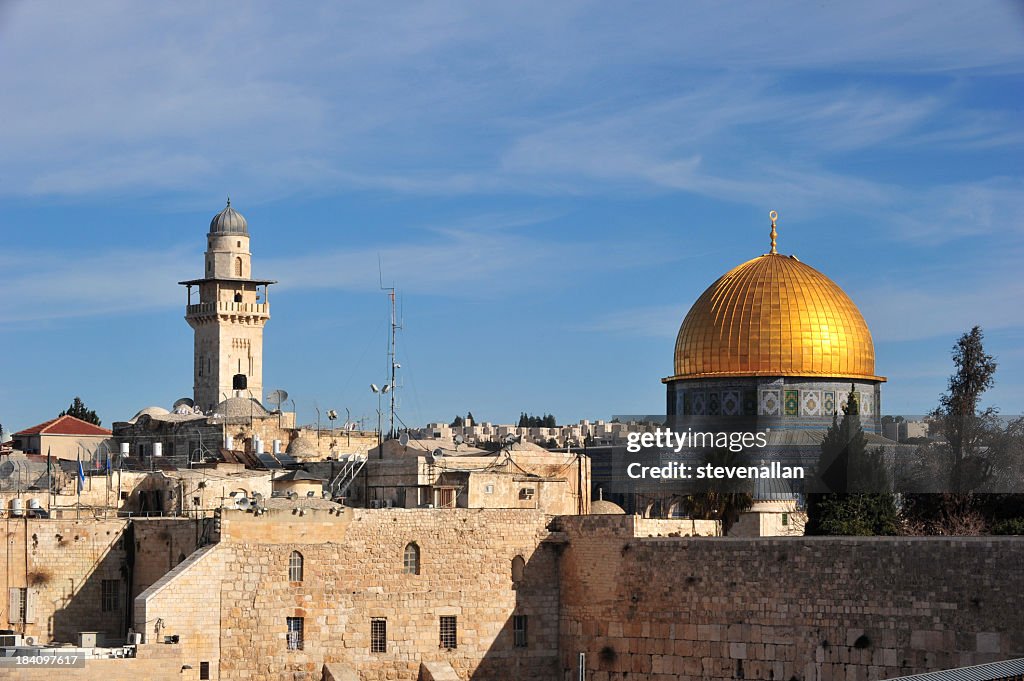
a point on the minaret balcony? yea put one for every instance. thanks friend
(228, 308)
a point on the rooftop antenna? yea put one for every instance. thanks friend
(277, 398)
(392, 361)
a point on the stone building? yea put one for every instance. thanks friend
(444, 474)
(64, 437)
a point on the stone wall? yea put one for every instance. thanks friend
(353, 571)
(809, 609)
(64, 563)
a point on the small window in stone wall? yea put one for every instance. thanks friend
(448, 627)
(295, 567)
(204, 671)
(378, 635)
(295, 631)
(526, 494)
(110, 596)
(785, 519)
(518, 567)
(411, 560)
(519, 630)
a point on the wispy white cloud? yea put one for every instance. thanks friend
(458, 98)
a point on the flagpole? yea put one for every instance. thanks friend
(78, 486)
(49, 480)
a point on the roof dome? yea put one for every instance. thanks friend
(228, 221)
(302, 446)
(774, 316)
(602, 507)
(149, 411)
(241, 406)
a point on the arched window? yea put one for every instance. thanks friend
(295, 567)
(518, 566)
(411, 559)
(238, 267)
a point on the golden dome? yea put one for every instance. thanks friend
(774, 316)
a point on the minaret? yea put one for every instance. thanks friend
(229, 316)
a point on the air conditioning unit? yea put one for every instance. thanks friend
(375, 503)
(134, 638)
(388, 503)
(30, 640)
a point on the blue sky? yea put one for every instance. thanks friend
(549, 185)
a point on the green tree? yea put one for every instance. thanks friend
(457, 422)
(80, 411)
(850, 495)
(974, 452)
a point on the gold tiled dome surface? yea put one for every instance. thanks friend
(774, 316)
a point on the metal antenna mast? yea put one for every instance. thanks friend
(395, 326)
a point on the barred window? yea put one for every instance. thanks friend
(295, 627)
(411, 559)
(378, 635)
(204, 671)
(110, 595)
(449, 631)
(295, 567)
(519, 630)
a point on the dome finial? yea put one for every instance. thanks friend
(229, 199)
(774, 216)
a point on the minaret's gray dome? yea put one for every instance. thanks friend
(229, 221)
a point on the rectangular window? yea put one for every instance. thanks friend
(519, 630)
(378, 635)
(110, 599)
(449, 632)
(295, 627)
(204, 671)
(785, 519)
(18, 605)
(526, 493)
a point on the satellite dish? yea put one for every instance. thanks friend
(310, 493)
(438, 453)
(293, 495)
(6, 470)
(277, 397)
(332, 414)
(257, 497)
(244, 503)
(403, 439)
(459, 439)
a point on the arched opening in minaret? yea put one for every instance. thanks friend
(238, 297)
(238, 267)
(239, 382)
